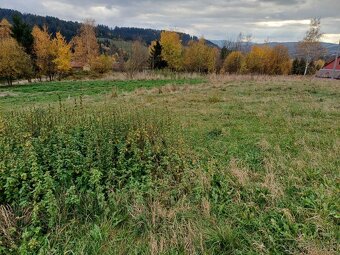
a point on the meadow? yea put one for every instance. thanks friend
(210, 165)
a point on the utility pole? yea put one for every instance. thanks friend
(336, 61)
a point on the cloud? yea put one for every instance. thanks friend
(282, 23)
(284, 2)
(281, 20)
(331, 38)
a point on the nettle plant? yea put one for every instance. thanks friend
(66, 163)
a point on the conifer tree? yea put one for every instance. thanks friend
(22, 32)
(156, 60)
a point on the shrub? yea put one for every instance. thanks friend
(60, 164)
(102, 64)
(234, 63)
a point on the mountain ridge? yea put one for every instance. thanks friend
(70, 28)
(331, 47)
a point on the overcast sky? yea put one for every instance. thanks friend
(273, 20)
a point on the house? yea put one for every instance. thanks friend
(78, 66)
(328, 70)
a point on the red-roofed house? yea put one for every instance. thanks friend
(327, 70)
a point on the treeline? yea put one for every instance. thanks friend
(69, 29)
(28, 53)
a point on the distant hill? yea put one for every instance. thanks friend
(70, 28)
(331, 48)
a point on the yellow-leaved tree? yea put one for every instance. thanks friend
(102, 63)
(5, 29)
(63, 54)
(86, 47)
(234, 62)
(258, 59)
(194, 57)
(212, 55)
(172, 49)
(279, 61)
(45, 51)
(199, 57)
(14, 62)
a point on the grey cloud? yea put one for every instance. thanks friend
(284, 2)
(214, 19)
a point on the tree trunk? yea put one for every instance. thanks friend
(306, 68)
(9, 81)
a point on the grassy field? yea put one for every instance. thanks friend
(49, 92)
(218, 165)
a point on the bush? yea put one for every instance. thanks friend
(61, 164)
(235, 62)
(102, 64)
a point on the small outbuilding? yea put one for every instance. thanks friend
(328, 70)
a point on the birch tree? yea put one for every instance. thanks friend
(310, 47)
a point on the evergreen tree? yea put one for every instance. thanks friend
(302, 66)
(225, 52)
(22, 32)
(156, 60)
(295, 66)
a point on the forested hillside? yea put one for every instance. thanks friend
(69, 28)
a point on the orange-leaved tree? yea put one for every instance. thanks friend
(86, 47)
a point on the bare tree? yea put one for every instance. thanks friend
(240, 43)
(243, 42)
(310, 47)
(138, 59)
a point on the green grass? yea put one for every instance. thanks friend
(49, 92)
(244, 166)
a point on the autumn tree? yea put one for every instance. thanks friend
(172, 49)
(102, 63)
(85, 44)
(45, 51)
(5, 29)
(235, 62)
(310, 47)
(258, 59)
(279, 61)
(199, 57)
(138, 59)
(212, 57)
(62, 54)
(195, 56)
(14, 62)
(156, 60)
(319, 64)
